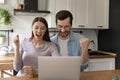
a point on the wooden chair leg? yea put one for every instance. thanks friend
(1, 74)
(9, 74)
(4, 67)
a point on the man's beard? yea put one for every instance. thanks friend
(64, 34)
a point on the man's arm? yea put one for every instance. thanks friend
(84, 43)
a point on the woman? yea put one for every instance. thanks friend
(38, 44)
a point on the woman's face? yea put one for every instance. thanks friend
(39, 30)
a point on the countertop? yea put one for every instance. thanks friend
(7, 58)
(91, 75)
(101, 54)
(99, 75)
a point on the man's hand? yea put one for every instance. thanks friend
(84, 43)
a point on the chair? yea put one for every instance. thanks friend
(4, 67)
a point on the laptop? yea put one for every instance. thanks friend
(59, 67)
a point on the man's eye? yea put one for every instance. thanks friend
(42, 28)
(60, 26)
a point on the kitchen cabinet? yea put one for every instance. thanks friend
(90, 14)
(80, 14)
(100, 15)
(102, 64)
(87, 13)
(101, 60)
(54, 6)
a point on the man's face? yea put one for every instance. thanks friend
(64, 28)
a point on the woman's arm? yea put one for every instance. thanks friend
(17, 44)
(17, 57)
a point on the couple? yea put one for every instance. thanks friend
(39, 44)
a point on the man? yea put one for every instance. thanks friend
(68, 42)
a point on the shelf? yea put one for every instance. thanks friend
(8, 31)
(31, 12)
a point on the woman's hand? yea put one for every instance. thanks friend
(16, 41)
(30, 71)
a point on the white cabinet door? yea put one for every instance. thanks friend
(90, 13)
(62, 5)
(98, 12)
(54, 6)
(79, 9)
(101, 64)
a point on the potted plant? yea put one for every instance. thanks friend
(2, 38)
(5, 17)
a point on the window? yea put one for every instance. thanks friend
(2, 1)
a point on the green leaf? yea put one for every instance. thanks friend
(5, 17)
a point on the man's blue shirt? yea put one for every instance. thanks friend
(73, 46)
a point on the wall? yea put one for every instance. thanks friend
(109, 40)
(22, 25)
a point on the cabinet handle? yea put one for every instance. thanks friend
(81, 25)
(99, 26)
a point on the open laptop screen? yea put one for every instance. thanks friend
(59, 67)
